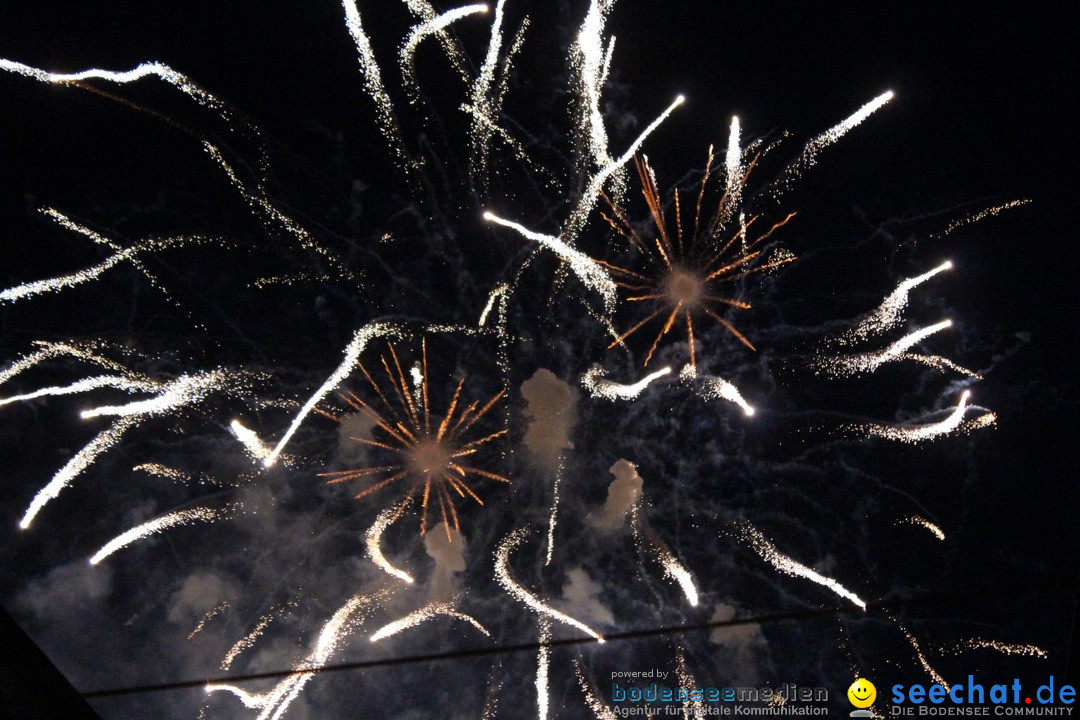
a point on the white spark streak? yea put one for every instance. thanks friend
(923, 661)
(502, 575)
(275, 702)
(887, 315)
(714, 388)
(554, 513)
(61, 282)
(164, 72)
(249, 640)
(159, 525)
(85, 385)
(373, 536)
(184, 390)
(982, 215)
(54, 349)
(602, 711)
(830, 136)
(423, 614)
(589, 62)
(923, 522)
(599, 386)
(216, 610)
(1001, 647)
(352, 354)
(82, 459)
(373, 83)
(255, 447)
(499, 292)
(543, 666)
(691, 708)
(423, 10)
(869, 362)
(677, 572)
(588, 270)
(768, 552)
(485, 107)
(733, 187)
(917, 433)
(432, 26)
(588, 199)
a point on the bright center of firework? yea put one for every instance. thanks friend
(684, 288)
(429, 456)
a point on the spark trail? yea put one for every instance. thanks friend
(809, 154)
(543, 668)
(502, 574)
(424, 614)
(602, 711)
(160, 525)
(85, 385)
(714, 388)
(599, 386)
(1022, 649)
(590, 272)
(868, 362)
(372, 539)
(276, 701)
(373, 83)
(768, 552)
(185, 390)
(888, 314)
(917, 433)
(924, 523)
(433, 26)
(352, 354)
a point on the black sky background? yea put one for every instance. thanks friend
(984, 113)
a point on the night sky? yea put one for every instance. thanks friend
(983, 114)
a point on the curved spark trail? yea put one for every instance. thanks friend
(85, 385)
(159, 525)
(50, 350)
(1001, 647)
(372, 538)
(155, 69)
(247, 437)
(768, 552)
(714, 388)
(373, 83)
(423, 614)
(502, 575)
(809, 154)
(846, 365)
(590, 64)
(433, 26)
(484, 106)
(275, 702)
(602, 711)
(82, 459)
(249, 640)
(887, 315)
(599, 386)
(677, 572)
(982, 215)
(923, 522)
(588, 270)
(352, 354)
(185, 390)
(917, 433)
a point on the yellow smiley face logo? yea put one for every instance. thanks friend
(862, 693)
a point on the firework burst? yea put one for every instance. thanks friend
(419, 447)
(688, 272)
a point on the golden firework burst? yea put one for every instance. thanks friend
(686, 270)
(419, 447)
